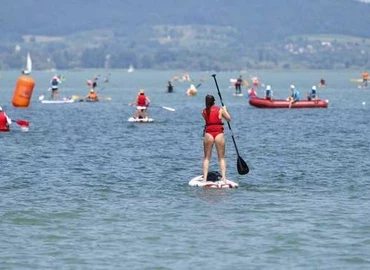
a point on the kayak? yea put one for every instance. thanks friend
(284, 104)
(91, 100)
(58, 101)
(198, 182)
(140, 120)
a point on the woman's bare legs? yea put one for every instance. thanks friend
(220, 147)
(208, 142)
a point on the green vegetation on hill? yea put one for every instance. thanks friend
(168, 34)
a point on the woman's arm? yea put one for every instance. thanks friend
(224, 114)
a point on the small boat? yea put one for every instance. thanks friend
(284, 104)
(28, 69)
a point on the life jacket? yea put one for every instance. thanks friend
(365, 75)
(213, 123)
(3, 122)
(92, 95)
(54, 81)
(141, 100)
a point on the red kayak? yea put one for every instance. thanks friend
(284, 104)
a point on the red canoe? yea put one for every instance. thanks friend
(284, 104)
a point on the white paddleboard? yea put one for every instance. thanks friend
(238, 95)
(58, 101)
(197, 182)
(140, 120)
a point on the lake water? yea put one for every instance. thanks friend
(85, 189)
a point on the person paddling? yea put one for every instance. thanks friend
(169, 87)
(5, 121)
(214, 134)
(92, 96)
(294, 97)
(55, 81)
(141, 102)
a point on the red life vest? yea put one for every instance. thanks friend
(141, 100)
(3, 122)
(213, 123)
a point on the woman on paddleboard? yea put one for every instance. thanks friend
(142, 102)
(214, 134)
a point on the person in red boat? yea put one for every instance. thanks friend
(214, 134)
(5, 121)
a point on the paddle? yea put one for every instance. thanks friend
(22, 123)
(241, 164)
(158, 106)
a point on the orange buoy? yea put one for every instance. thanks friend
(23, 91)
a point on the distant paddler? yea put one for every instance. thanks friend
(169, 87)
(55, 81)
(192, 91)
(92, 96)
(141, 102)
(365, 77)
(322, 83)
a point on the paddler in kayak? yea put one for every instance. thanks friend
(5, 121)
(141, 102)
(92, 96)
(214, 134)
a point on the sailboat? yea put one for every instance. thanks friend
(130, 68)
(28, 69)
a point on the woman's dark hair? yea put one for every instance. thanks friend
(210, 101)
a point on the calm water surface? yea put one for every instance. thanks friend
(85, 189)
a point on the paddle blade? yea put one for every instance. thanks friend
(22, 123)
(168, 108)
(242, 166)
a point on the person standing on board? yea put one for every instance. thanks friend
(268, 92)
(238, 85)
(295, 96)
(5, 121)
(141, 102)
(365, 77)
(214, 134)
(169, 87)
(55, 81)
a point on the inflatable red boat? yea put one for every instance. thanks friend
(284, 104)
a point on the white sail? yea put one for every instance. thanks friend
(29, 63)
(130, 69)
(28, 69)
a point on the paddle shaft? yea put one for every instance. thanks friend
(228, 124)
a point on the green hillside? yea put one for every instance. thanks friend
(166, 34)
